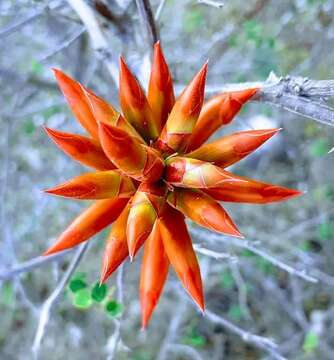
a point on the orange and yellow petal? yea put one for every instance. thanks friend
(203, 210)
(116, 249)
(94, 186)
(104, 112)
(134, 159)
(85, 150)
(153, 275)
(216, 112)
(145, 207)
(75, 96)
(134, 104)
(183, 117)
(245, 190)
(193, 173)
(160, 90)
(94, 219)
(180, 253)
(232, 148)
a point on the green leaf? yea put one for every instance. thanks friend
(29, 127)
(77, 284)
(235, 312)
(227, 280)
(264, 265)
(247, 253)
(99, 293)
(253, 30)
(323, 193)
(82, 299)
(36, 67)
(52, 110)
(79, 275)
(193, 20)
(319, 147)
(311, 341)
(193, 338)
(114, 308)
(7, 294)
(325, 231)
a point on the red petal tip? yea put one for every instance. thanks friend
(122, 64)
(103, 278)
(56, 71)
(104, 275)
(148, 305)
(49, 251)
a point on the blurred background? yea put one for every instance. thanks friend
(264, 287)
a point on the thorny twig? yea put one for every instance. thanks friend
(31, 17)
(50, 301)
(159, 10)
(214, 254)
(98, 40)
(298, 95)
(173, 327)
(65, 44)
(147, 18)
(254, 249)
(215, 4)
(256, 340)
(30, 265)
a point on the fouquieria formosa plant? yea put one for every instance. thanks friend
(152, 171)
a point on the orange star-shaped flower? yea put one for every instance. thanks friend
(152, 170)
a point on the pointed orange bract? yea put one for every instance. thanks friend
(153, 170)
(136, 160)
(218, 111)
(203, 210)
(245, 190)
(193, 173)
(116, 249)
(94, 219)
(93, 186)
(232, 148)
(180, 253)
(104, 112)
(160, 90)
(146, 205)
(182, 120)
(153, 273)
(75, 96)
(81, 148)
(134, 104)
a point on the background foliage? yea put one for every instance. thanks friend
(244, 41)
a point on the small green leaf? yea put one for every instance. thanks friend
(7, 294)
(77, 284)
(193, 20)
(36, 67)
(247, 253)
(264, 265)
(319, 147)
(227, 280)
(326, 231)
(99, 293)
(79, 275)
(29, 127)
(311, 342)
(82, 299)
(235, 312)
(193, 338)
(114, 308)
